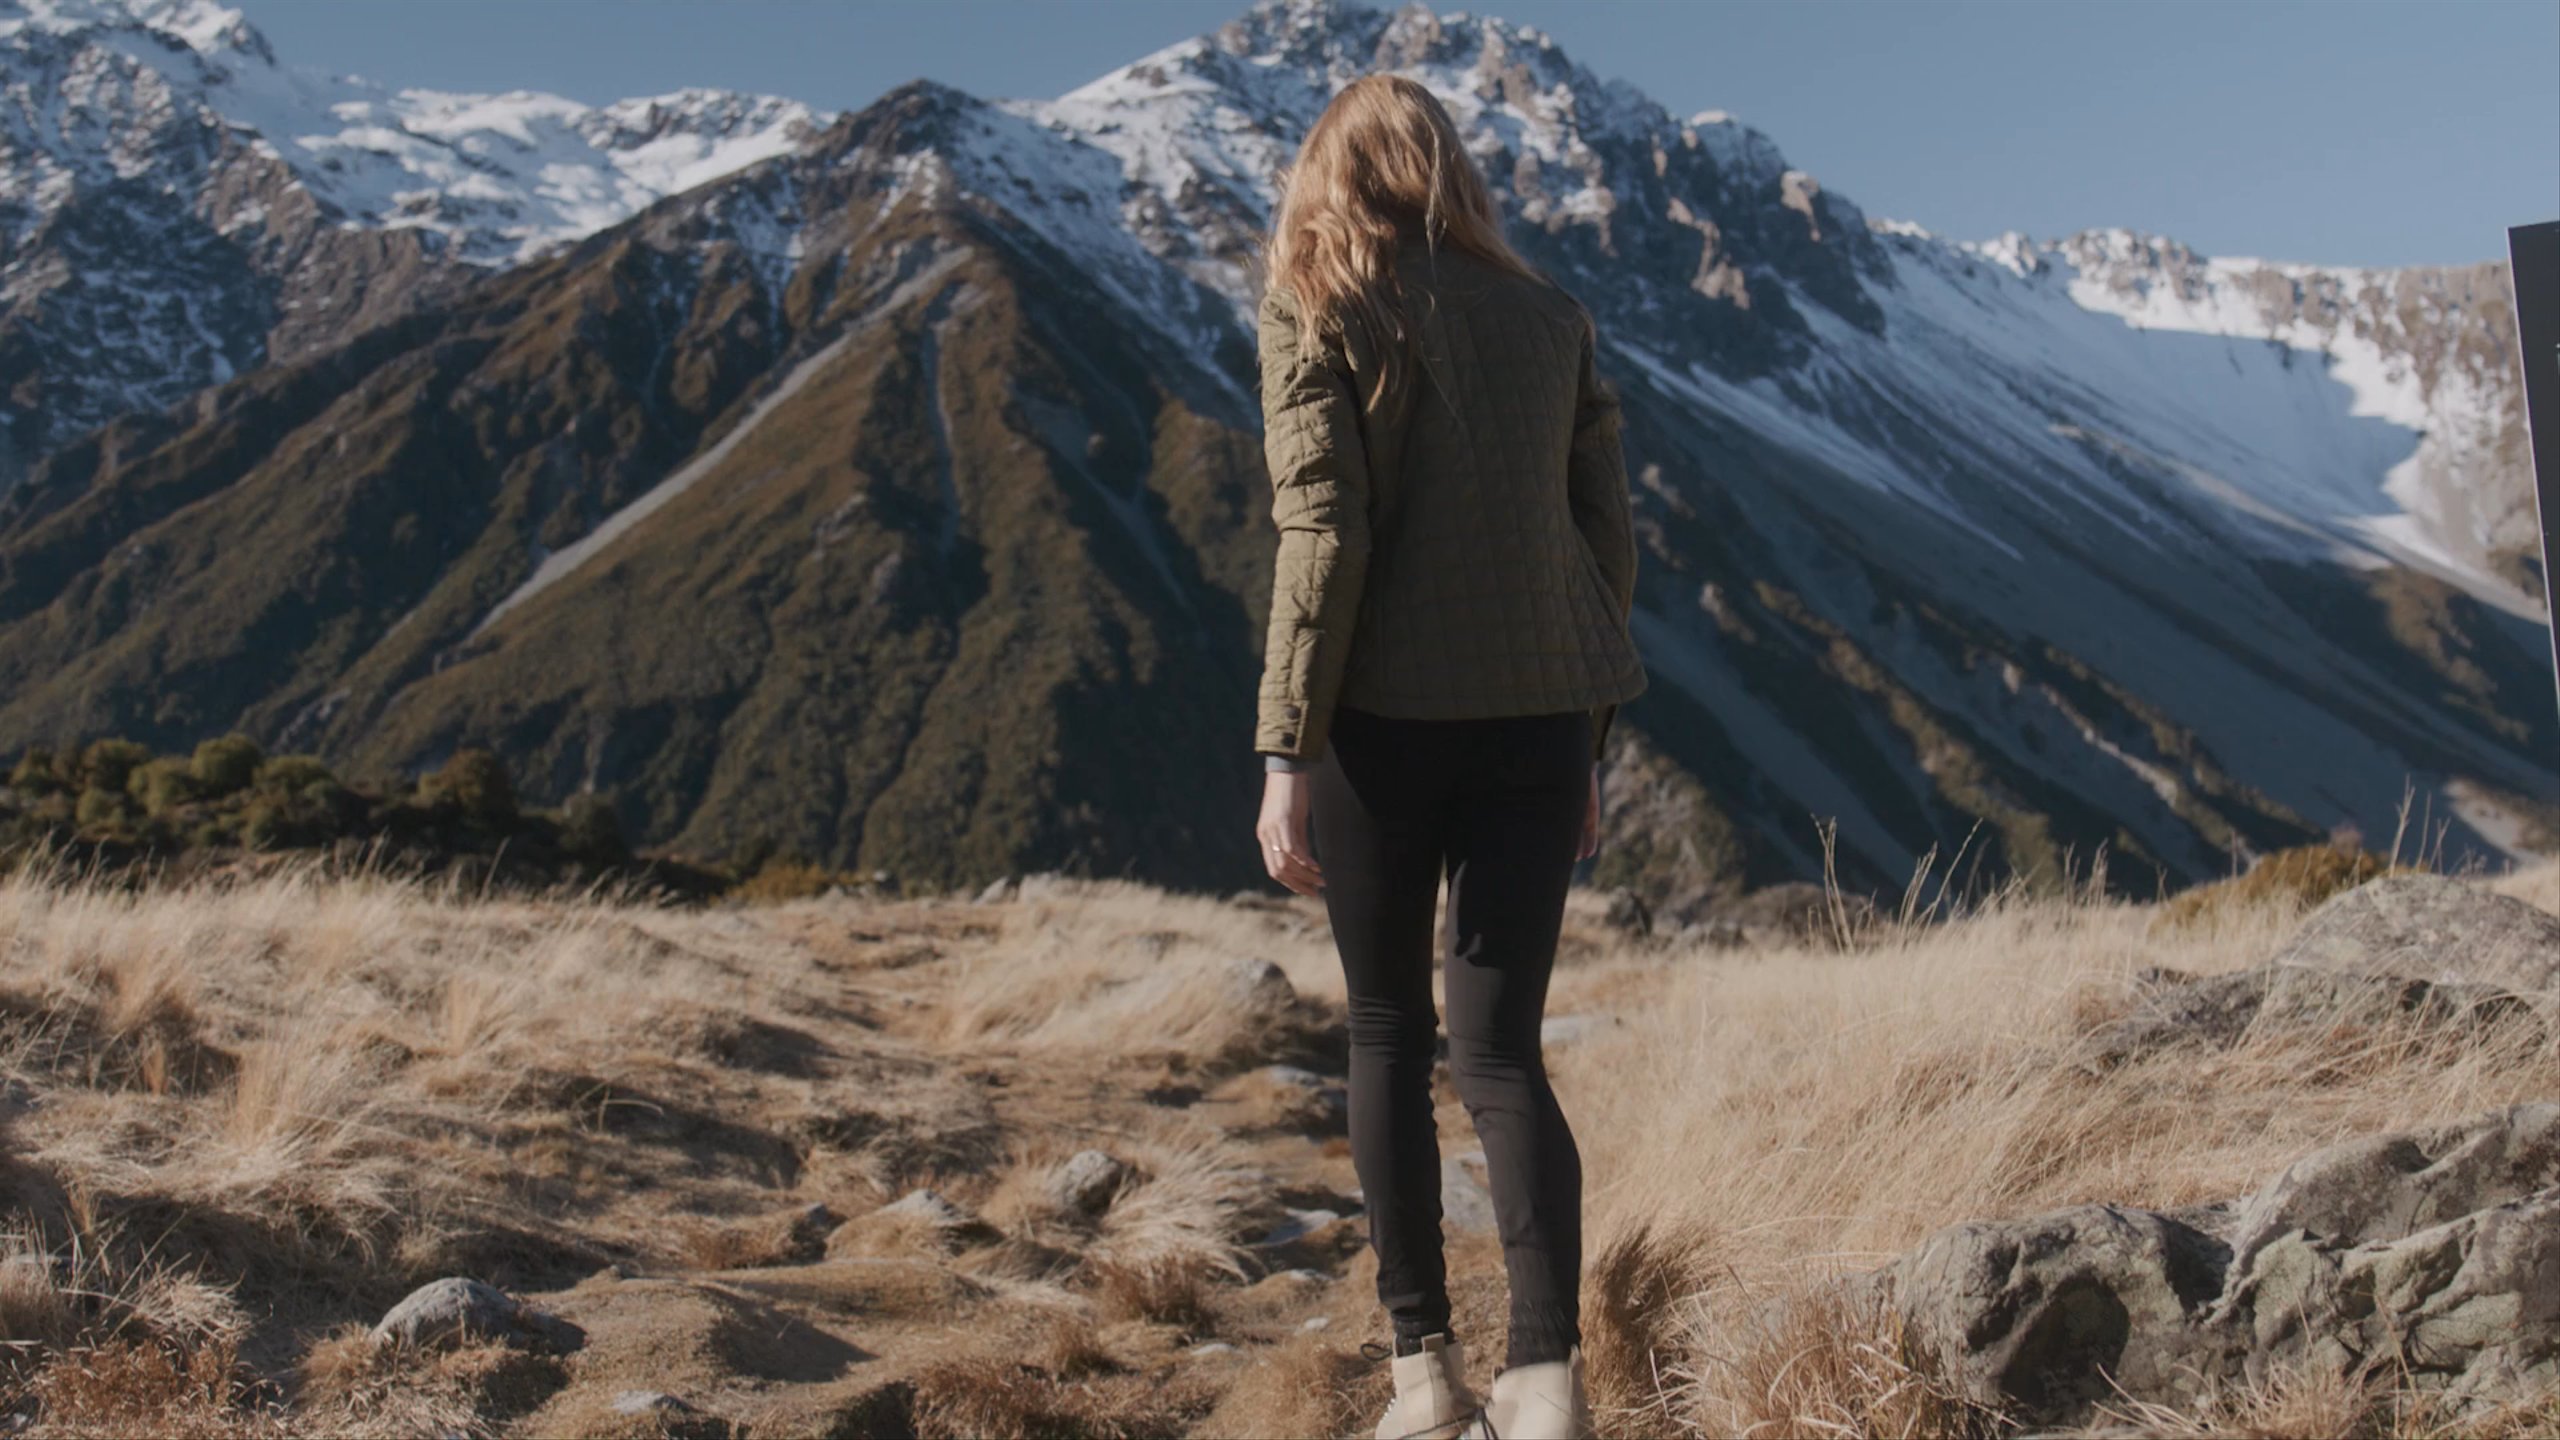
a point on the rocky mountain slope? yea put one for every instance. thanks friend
(177, 208)
(897, 501)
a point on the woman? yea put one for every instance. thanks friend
(1448, 645)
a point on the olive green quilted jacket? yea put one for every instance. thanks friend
(1463, 547)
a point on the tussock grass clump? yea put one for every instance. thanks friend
(1636, 1285)
(1822, 1363)
(1303, 1386)
(102, 1338)
(996, 1396)
(136, 1388)
(350, 1386)
(2286, 881)
(1070, 1350)
(1184, 1212)
(1166, 1292)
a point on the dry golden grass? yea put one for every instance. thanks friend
(126, 1388)
(2292, 1404)
(1761, 1124)
(998, 1395)
(1305, 1386)
(268, 1108)
(1157, 991)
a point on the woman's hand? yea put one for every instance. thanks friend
(1282, 831)
(1590, 845)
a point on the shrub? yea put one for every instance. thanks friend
(292, 774)
(782, 880)
(35, 772)
(162, 785)
(474, 782)
(332, 806)
(103, 809)
(227, 765)
(266, 824)
(592, 832)
(108, 764)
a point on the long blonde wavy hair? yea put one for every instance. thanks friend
(1382, 164)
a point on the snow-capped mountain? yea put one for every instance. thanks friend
(2429, 352)
(177, 207)
(1629, 197)
(857, 502)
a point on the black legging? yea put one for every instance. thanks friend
(1499, 802)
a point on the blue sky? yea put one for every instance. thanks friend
(2335, 131)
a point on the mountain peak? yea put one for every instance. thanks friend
(203, 26)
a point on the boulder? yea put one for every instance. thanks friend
(2433, 1253)
(1087, 1182)
(1260, 987)
(2216, 1011)
(2041, 1315)
(456, 1311)
(2432, 928)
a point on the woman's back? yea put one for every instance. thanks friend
(1484, 596)
(1498, 557)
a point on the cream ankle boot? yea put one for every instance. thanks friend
(1536, 1402)
(1432, 1400)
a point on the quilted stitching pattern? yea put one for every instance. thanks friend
(1463, 548)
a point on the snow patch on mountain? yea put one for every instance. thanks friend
(499, 177)
(2393, 340)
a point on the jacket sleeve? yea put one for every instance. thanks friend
(1320, 505)
(1596, 481)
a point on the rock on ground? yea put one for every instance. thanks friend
(2436, 1250)
(457, 1311)
(2216, 1011)
(2433, 928)
(1087, 1182)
